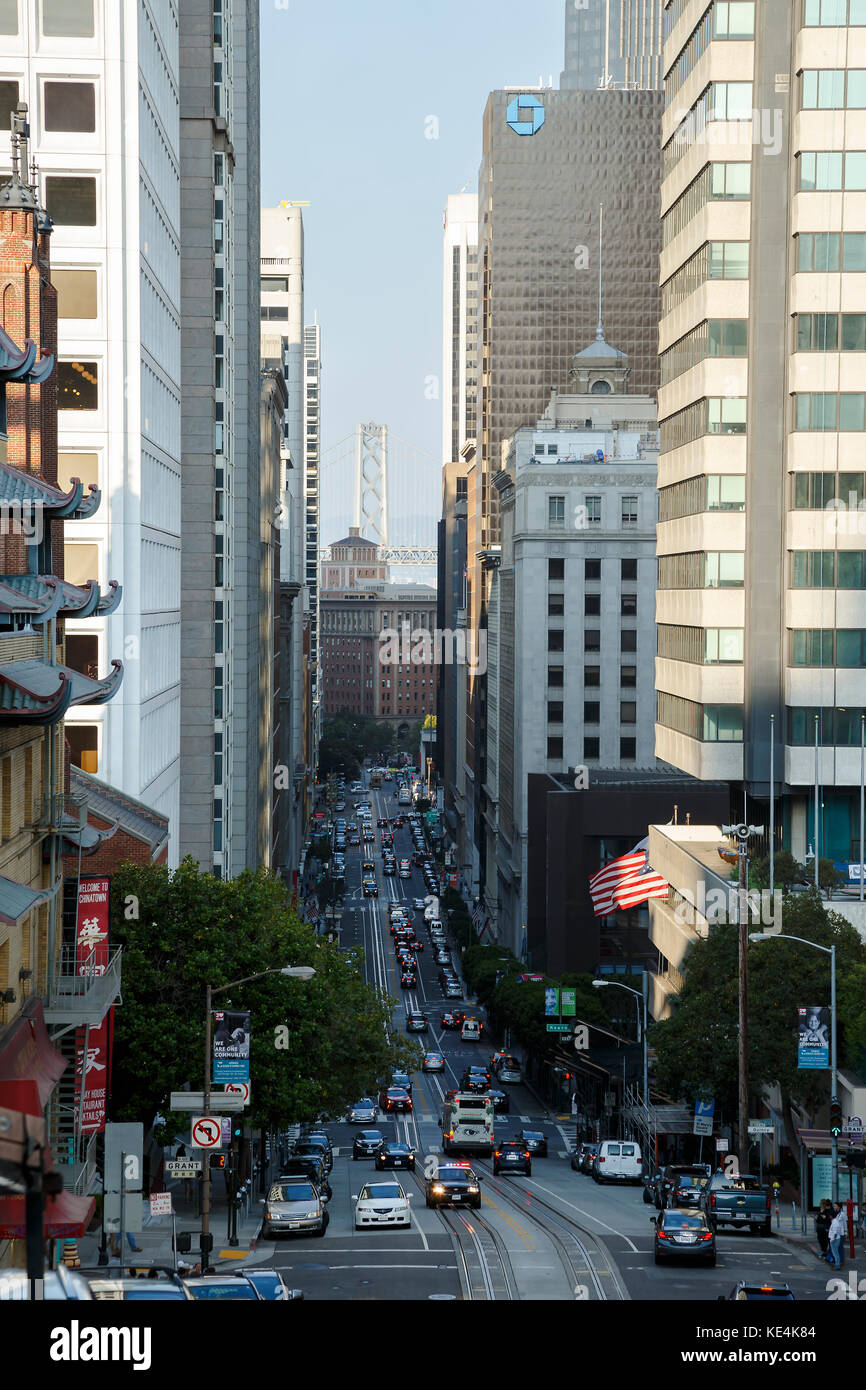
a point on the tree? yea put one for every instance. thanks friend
(315, 1046)
(786, 871)
(829, 876)
(697, 1046)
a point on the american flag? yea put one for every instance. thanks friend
(626, 882)
(478, 917)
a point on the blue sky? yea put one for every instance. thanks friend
(347, 87)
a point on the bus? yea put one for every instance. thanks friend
(405, 797)
(375, 778)
(467, 1124)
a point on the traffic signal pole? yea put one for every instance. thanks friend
(834, 1138)
(205, 1184)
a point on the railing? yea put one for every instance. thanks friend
(83, 993)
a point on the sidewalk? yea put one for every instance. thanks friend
(788, 1227)
(155, 1239)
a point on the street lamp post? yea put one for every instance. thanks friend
(831, 952)
(742, 834)
(299, 972)
(642, 1000)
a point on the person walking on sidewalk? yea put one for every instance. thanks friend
(822, 1226)
(838, 1232)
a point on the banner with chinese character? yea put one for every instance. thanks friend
(91, 1073)
(91, 940)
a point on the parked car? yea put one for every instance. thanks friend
(311, 1166)
(683, 1235)
(509, 1071)
(617, 1161)
(223, 1286)
(294, 1207)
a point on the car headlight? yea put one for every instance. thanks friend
(473, 1189)
(438, 1189)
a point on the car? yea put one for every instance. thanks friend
(495, 1059)
(472, 1080)
(409, 980)
(684, 1235)
(354, 838)
(368, 1143)
(294, 1207)
(453, 990)
(501, 1102)
(381, 1204)
(418, 904)
(169, 1290)
(508, 1071)
(446, 976)
(395, 1100)
(471, 1030)
(57, 1286)
(416, 1023)
(451, 1021)
(388, 868)
(311, 1167)
(415, 944)
(381, 821)
(453, 1184)
(401, 1080)
(396, 1155)
(433, 1061)
(759, 1293)
(587, 1155)
(512, 1156)
(314, 1146)
(443, 957)
(223, 1286)
(363, 1112)
(680, 1185)
(371, 888)
(535, 1141)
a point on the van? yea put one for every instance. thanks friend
(618, 1160)
(471, 1030)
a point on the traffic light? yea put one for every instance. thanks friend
(237, 1130)
(217, 1160)
(835, 1118)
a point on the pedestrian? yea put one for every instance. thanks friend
(822, 1226)
(838, 1231)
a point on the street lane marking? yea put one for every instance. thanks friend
(518, 1230)
(582, 1212)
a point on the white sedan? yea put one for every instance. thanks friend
(381, 1204)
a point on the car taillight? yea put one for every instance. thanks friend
(526, 1155)
(706, 1235)
(662, 1235)
(768, 1201)
(712, 1199)
(601, 1158)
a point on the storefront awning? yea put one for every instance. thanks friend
(27, 1055)
(63, 1216)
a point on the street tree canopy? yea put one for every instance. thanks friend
(184, 929)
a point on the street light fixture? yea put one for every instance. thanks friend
(295, 972)
(830, 951)
(641, 998)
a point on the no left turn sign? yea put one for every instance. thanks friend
(207, 1133)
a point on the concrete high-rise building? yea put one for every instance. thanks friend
(221, 790)
(762, 568)
(551, 159)
(571, 619)
(312, 534)
(102, 81)
(459, 324)
(613, 43)
(282, 347)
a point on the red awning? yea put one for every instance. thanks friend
(64, 1216)
(28, 1055)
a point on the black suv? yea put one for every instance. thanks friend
(680, 1185)
(310, 1166)
(453, 1184)
(368, 1143)
(513, 1157)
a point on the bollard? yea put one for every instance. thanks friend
(793, 1216)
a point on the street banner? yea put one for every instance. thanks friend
(813, 1043)
(551, 1002)
(231, 1046)
(91, 939)
(91, 1073)
(569, 1002)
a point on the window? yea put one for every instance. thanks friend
(83, 740)
(76, 293)
(825, 410)
(82, 653)
(728, 260)
(71, 202)
(825, 333)
(628, 569)
(730, 181)
(556, 511)
(628, 605)
(555, 570)
(553, 448)
(591, 677)
(556, 676)
(591, 640)
(592, 605)
(628, 711)
(730, 101)
(556, 640)
(77, 386)
(82, 466)
(80, 562)
(723, 724)
(834, 13)
(70, 107)
(554, 711)
(628, 511)
(850, 647)
(628, 677)
(723, 645)
(726, 492)
(555, 605)
(824, 170)
(593, 510)
(67, 19)
(8, 18)
(628, 640)
(724, 569)
(554, 748)
(8, 102)
(833, 89)
(628, 749)
(591, 711)
(275, 284)
(813, 491)
(590, 749)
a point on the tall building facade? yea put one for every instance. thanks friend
(102, 83)
(312, 531)
(220, 496)
(549, 163)
(613, 43)
(459, 323)
(571, 621)
(761, 604)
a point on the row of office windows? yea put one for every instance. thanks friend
(591, 749)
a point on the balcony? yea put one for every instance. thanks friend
(80, 995)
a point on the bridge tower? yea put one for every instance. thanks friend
(371, 482)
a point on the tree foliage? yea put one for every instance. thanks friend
(184, 929)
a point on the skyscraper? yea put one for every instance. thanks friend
(762, 566)
(312, 461)
(459, 323)
(102, 83)
(613, 43)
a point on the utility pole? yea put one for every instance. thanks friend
(742, 833)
